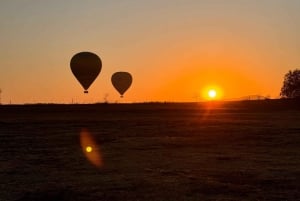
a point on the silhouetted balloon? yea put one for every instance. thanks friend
(86, 66)
(121, 81)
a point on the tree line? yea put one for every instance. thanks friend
(291, 85)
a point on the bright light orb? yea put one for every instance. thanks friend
(212, 93)
(89, 149)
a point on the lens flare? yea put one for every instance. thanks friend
(90, 148)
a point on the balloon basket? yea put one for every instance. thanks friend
(86, 92)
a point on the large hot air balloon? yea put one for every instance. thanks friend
(86, 66)
(121, 81)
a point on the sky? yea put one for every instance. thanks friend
(174, 49)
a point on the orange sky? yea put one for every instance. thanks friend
(173, 49)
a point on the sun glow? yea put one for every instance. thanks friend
(212, 93)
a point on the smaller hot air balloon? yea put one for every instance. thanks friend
(121, 81)
(86, 66)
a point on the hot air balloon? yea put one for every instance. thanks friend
(121, 81)
(86, 66)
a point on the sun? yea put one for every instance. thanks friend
(212, 93)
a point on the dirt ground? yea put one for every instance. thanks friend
(247, 150)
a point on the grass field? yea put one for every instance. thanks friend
(247, 150)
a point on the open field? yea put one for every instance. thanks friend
(248, 150)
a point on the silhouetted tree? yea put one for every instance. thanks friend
(291, 85)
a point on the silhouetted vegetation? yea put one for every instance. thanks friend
(291, 85)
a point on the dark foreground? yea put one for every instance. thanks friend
(213, 151)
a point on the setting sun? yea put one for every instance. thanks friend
(212, 93)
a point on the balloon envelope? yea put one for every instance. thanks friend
(121, 81)
(86, 66)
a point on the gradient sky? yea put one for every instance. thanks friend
(173, 48)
